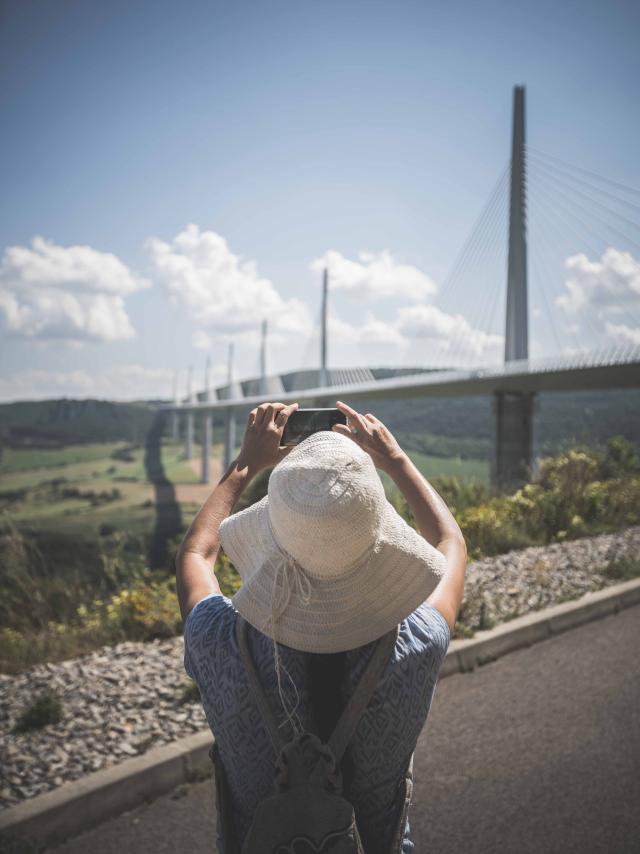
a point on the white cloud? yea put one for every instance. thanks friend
(450, 334)
(624, 333)
(201, 340)
(70, 293)
(445, 334)
(123, 382)
(374, 276)
(609, 285)
(372, 332)
(218, 289)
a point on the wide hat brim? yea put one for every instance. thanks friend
(343, 612)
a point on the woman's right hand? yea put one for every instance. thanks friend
(372, 436)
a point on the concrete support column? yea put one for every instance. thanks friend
(175, 418)
(188, 439)
(188, 444)
(206, 446)
(513, 410)
(229, 437)
(206, 425)
(516, 341)
(513, 439)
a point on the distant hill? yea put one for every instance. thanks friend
(561, 420)
(56, 423)
(441, 426)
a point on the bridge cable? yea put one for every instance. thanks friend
(467, 256)
(553, 241)
(542, 241)
(469, 248)
(558, 203)
(495, 240)
(482, 238)
(539, 279)
(553, 211)
(499, 276)
(533, 158)
(602, 178)
(624, 237)
(556, 180)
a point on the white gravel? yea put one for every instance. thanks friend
(120, 701)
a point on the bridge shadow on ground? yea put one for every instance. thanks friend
(168, 521)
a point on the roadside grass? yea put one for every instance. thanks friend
(45, 709)
(190, 694)
(623, 569)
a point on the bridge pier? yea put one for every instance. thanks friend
(188, 442)
(229, 437)
(206, 446)
(513, 439)
(513, 410)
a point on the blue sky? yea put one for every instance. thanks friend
(217, 150)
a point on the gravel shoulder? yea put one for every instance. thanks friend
(120, 701)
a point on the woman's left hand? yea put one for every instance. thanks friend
(261, 444)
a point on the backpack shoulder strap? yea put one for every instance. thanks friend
(266, 711)
(359, 700)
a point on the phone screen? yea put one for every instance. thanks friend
(304, 422)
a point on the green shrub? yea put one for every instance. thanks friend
(145, 611)
(45, 709)
(623, 569)
(460, 493)
(190, 694)
(574, 495)
(227, 575)
(621, 458)
(462, 630)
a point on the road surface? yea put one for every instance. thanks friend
(536, 752)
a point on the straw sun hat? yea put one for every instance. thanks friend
(327, 563)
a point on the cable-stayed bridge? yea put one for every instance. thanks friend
(562, 222)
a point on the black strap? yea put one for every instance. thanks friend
(359, 700)
(356, 704)
(266, 711)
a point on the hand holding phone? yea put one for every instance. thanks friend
(304, 422)
(370, 434)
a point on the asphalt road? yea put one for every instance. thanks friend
(537, 752)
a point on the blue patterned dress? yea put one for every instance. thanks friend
(385, 737)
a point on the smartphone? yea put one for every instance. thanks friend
(304, 422)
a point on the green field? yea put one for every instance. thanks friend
(27, 459)
(97, 468)
(432, 467)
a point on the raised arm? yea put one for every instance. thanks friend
(196, 558)
(433, 517)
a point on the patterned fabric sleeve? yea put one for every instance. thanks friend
(201, 619)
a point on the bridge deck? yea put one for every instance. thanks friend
(575, 374)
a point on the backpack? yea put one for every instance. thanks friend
(308, 814)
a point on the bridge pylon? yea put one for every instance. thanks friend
(234, 390)
(175, 418)
(513, 410)
(207, 425)
(188, 439)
